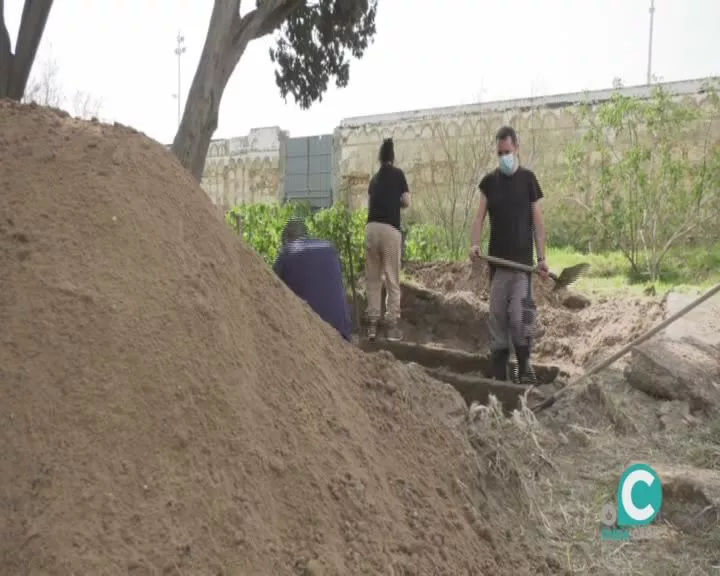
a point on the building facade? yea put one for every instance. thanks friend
(438, 148)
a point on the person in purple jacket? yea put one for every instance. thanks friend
(311, 269)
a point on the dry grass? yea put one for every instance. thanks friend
(555, 474)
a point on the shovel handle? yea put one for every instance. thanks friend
(508, 263)
(517, 266)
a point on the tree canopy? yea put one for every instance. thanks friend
(314, 45)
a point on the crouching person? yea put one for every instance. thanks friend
(311, 269)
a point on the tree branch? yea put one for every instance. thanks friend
(262, 21)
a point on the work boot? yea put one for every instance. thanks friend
(372, 330)
(394, 334)
(524, 373)
(500, 364)
(527, 379)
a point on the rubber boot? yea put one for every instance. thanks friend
(372, 330)
(500, 364)
(525, 373)
(393, 332)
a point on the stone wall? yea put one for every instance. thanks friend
(247, 169)
(444, 151)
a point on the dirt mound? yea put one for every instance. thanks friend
(168, 406)
(570, 337)
(584, 337)
(467, 277)
(456, 319)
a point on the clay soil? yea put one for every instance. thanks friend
(169, 407)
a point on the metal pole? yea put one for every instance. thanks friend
(650, 42)
(179, 51)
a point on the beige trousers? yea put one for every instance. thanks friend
(384, 251)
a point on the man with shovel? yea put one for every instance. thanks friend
(511, 196)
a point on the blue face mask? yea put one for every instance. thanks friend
(507, 163)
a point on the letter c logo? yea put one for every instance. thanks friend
(639, 496)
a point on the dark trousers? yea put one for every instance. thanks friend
(512, 319)
(512, 309)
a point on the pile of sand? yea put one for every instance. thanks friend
(167, 406)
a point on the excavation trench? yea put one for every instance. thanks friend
(468, 373)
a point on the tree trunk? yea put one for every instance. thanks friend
(202, 108)
(227, 38)
(5, 54)
(15, 69)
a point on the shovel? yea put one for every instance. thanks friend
(565, 279)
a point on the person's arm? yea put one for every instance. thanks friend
(371, 188)
(346, 331)
(539, 230)
(536, 196)
(479, 222)
(404, 191)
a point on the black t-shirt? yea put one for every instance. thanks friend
(510, 202)
(385, 190)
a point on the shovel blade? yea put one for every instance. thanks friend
(569, 275)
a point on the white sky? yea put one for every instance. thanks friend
(427, 53)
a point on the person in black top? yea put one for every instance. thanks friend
(511, 195)
(388, 194)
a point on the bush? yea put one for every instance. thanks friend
(262, 226)
(425, 243)
(646, 175)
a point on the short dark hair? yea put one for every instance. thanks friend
(294, 229)
(387, 151)
(506, 132)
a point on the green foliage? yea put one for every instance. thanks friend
(346, 230)
(262, 226)
(646, 176)
(424, 243)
